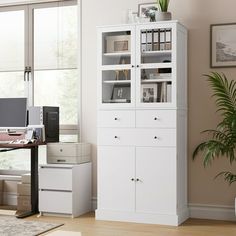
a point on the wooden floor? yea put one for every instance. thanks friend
(88, 226)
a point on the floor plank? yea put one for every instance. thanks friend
(88, 226)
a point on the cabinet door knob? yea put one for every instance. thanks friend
(61, 150)
(115, 137)
(137, 180)
(137, 65)
(115, 118)
(156, 137)
(132, 179)
(156, 118)
(132, 66)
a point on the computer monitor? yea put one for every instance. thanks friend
(13, 113)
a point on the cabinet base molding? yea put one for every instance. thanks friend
(146, 218)
(212, 212)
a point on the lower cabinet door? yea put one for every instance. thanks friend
(55, 202)
(156, 180)
(116, 178)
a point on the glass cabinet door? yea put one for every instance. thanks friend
(155, 61)
(117, 66)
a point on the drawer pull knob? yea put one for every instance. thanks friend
(156, 137)
(137, 180)
(156, 118)
(115, 137)
(61, 150)
(132, 179)
(115, 118)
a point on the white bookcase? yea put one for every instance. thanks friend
(142, 123)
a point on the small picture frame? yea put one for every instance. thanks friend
(148, 10)
(223, 45)
(121, 93)
(149, 92)
(118, 44)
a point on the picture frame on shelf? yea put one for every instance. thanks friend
(121, 93)
(147, 10)
(149, 92)
(223, 45)
(118, 44)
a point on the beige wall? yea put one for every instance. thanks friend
(196, 15)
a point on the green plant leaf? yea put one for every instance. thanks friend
(222, 142)
(164, 5)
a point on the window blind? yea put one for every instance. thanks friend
(22, 2)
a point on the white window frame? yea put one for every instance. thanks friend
(28, 8)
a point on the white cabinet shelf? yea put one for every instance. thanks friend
(117, 54)
(117, 81)
(142, 145)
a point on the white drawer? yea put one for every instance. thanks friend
(117, 119)
(156, 137)
(123, 137)
(156, 118)
(56, 202)
(68, 149)
(55, 178)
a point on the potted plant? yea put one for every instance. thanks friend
(163, 13)
(222, 141)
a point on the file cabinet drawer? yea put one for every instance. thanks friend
(55, 178)
(117, 119)
(156, 118)
(123, 137)
(62, 149)
(57, 202)
(156, 137)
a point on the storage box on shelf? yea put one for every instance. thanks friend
(142, 157)
(24, 193)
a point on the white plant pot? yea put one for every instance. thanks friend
(160, 16)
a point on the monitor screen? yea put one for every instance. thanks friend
(13, 113)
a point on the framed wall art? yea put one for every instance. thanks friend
(223, 45)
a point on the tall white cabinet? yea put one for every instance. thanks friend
(142, 123)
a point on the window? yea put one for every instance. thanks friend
(42, 37)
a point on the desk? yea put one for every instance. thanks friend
(34, 172)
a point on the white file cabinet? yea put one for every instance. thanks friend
(65, 189)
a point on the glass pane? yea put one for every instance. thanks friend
(12, 84)
(55, 38)
(12, 41)
(116, 48)
(116, 85)
(20, 159)
(156, 85)
(156, 45)
(58, 88)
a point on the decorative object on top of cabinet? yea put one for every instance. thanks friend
(163, 14)
(118, 43)
(142, 141)
(223, 48)
(148, 10)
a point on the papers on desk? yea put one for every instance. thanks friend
(22, 141)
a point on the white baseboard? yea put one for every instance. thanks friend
(212, 212)
(202, 211)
